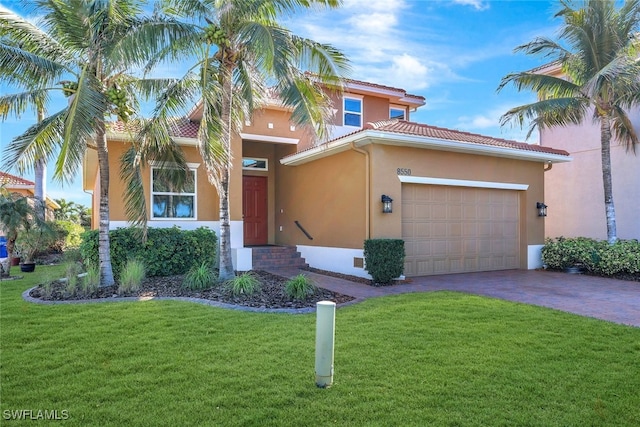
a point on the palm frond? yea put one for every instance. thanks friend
(624, 130)
(546, 86)
(16, 104)
(19, 67)
(40, 141)
(547, 113)
(86, 114)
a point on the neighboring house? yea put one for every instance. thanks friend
(462, 202)
(23, 187)
(574, 190)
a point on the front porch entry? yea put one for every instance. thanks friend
(254, 210)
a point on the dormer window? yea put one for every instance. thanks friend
(397, 112)
(352, 111)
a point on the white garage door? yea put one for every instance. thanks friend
(459, 229)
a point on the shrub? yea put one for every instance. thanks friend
(384, 259)
(131, 277)
(199, 277)
(72, 255)
(562, 253)
(68, 236)
(167, 251)
(300, 287)
(596, 257)
(245, 284)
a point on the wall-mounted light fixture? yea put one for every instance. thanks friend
(386, 204)
(542, 209)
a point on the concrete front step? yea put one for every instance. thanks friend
(265, 257)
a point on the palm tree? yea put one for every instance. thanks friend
(68, 211)
(16, 214)
(94, 45)
(239, 50)
(598, 51)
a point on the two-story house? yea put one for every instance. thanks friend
(462, 202)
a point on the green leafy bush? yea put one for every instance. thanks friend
(596, 257)
(300, 287)
(166, 252)
(199, 277)
(245, 284)
(131, 276)
(68, 236)
(384, 259)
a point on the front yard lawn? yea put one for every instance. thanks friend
(415, 359)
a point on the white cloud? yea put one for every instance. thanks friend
(476, 4)
(488, 123)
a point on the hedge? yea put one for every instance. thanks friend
(384, 259)
(166, 252)
(594, 256)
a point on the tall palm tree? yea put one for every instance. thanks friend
(240, 50)
(94, 45)
(598, 51)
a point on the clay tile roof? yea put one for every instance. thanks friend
(423, 130)
(181, 128)
(419, 129)
(8, 180)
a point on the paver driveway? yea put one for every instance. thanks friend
(608, 299)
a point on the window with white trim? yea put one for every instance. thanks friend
(167, 202)
(396, 112)
(352, 111)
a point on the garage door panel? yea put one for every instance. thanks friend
(459, 229)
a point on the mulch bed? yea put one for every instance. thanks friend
(270, 296)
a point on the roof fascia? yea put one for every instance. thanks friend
(400, 95)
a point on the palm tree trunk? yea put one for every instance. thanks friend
(226, 261)
(104, 247)
(40, 179)
(610, 211)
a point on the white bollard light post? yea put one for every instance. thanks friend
(325, 337)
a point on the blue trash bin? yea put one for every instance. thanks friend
(3, 247)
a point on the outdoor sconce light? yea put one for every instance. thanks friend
(386, 204)
(542, 209)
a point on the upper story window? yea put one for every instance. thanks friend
(353, 111)
(397, 112)
(167, 202)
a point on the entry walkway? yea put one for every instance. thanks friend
(607, 299)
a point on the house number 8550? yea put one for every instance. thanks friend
(404, 171)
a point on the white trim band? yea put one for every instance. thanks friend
(461, 183)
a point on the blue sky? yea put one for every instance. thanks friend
(452, 52)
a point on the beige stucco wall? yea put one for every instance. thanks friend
(574, 190)
(328, 196)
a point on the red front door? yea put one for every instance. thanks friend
(254, 210)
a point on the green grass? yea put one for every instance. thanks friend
(444, 359)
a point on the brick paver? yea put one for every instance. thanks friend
(607, 299)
